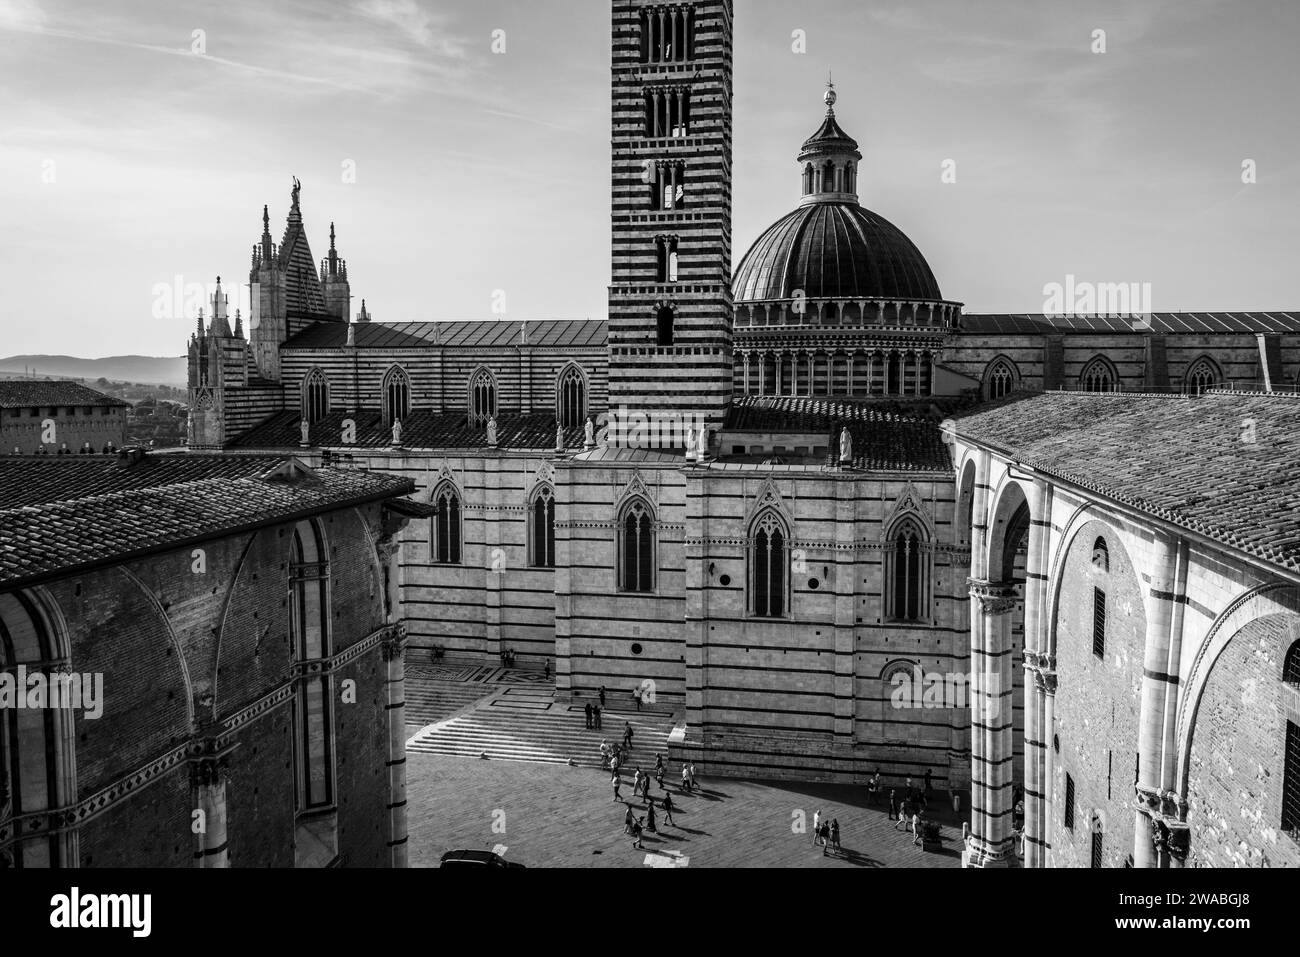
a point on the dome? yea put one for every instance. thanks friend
(834, 251)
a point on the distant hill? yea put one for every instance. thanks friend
(146, 369)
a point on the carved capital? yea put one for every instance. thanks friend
(995, 598)
(208, 770)
(393, 645)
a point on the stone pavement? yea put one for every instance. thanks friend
(549, 815)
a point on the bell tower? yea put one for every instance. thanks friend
(670, 310)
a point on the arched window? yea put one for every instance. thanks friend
(541, 533)
(1100, 555)
(664, 326)
(482, 398)
(636, 547)
(36, 743)
(1291, 781)
(309, 622)
(1201, 375)
(396, 391)
(445, 526)
(769, 577)
(1000, 379)
(1099, 376)
(1099, 623)
(571, 398)
(907, 575)
(1291, 665)
(315, 396)
(807, 179)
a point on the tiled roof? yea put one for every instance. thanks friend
(887, 435)
(88, 527)
(17, 393)
(1181, 459)
(1162, 323)
(484, 333)
(420, 430)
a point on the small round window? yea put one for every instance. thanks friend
(814, 584)
(726, 580)
(636, 649)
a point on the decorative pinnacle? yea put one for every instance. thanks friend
(266, 219)
(331, 236)
(830, 96)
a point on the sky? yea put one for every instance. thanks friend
(139, 142)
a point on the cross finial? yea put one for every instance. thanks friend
(830, 93)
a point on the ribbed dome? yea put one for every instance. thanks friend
(834, 251)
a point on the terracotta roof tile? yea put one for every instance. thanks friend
(17, 393)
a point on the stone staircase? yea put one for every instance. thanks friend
(428, 702)
(528, 724)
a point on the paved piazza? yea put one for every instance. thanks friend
(548, 813)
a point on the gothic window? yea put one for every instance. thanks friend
(667, 112)
(396, 391)
(636, 547)
(309, 621)
(1291, 781)
(1099, 623)
(571, 398)
(541, 534)
(769, 578)
(667, 34)
(664, 326)
(1201, 375)
(445, 526)
(667, 259)
(1100, 555)
(1000, 380)
(1099, 376)
(35, 743)
(482, 398)
(907, 573)
(315, 396)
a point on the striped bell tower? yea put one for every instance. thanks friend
(670, 310)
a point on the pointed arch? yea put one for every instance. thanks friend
(541, 526)
(908, 562)
(395, 391)
(1001, 378)
(446, 526)
(315, 395)
(310, 639)
(1099, 375)
(769, 565)
(1202, 374)
(481, 397)
(637, 545)
(665, 319)
(571, 390)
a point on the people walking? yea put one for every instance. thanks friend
(602, 696)
(617, 782)
(668, 810)
(629, 819)
(898, 812)
(636, 835)
(694, 783)
(817, 824)
(636, 696)
(627, 736)
(645, 789)
(686, 777)
(587, 711)
(835, 832)
(595, 713)
(659, 774)
(916, 826)
(650, 818)
(929, 786)
(636, 783)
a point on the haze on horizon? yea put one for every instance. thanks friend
(478, 171)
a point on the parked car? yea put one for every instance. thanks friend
(475, 859)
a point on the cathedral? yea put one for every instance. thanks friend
(779, 500)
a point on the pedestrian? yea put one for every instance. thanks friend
(546, 668)
(636, 835)
(636, 695)
(904, 812)
(645, 789)
(595, 712)
(694, 783)
(629, 819)
(817, 825)
(825, 835)
(659, 762)
(617, 782)
(602, 696)
(835, 832)
(587, 711)
(636, 783)
(686, 777)
(916, 826)
(893, 804)
(659, 776)
(627, 736)
(929, 787)
(650, 819)
(956, 801)
(668, 810)
(873, 787)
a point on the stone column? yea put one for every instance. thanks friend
(992, 747)
(208, 771)
(394, 649)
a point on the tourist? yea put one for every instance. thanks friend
(659, 762)
(627, 736)
(645, 789)
(817, 825)
(629, 819)
(587, 711)
(668, 810)
(929, 787)
(904, 813)
(604, 753)
(659, 776)
(636, 835)
(956, 801)
(636, 783)
(835, 832)
(617, 782)
(650, 817)
(916, 826)
(825, 836)
(873, 787)
(694, 784)
(686, 777)
(893, 804)
(595, 713)
(546, 668)
(602, 696)
(636, 695)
